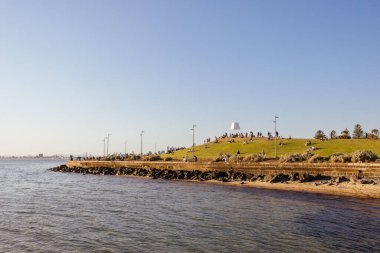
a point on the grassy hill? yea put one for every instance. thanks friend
(323, 148)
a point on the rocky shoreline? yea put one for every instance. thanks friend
(222, 176)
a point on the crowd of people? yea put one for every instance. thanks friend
(171, 150)
(230, 137)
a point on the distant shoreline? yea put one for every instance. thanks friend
(33, 158)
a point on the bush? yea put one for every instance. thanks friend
(292, 158)
(316, 159)
(219, 157)
(307, 154)
(254, 158)
(343, 137)
(339, 158)
(372, 136)
(236, 158)
(152, 158)
(128, 158)
(169, 158)
(365, 156)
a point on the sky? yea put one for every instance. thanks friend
(73, 71)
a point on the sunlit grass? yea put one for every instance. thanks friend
(258, 145)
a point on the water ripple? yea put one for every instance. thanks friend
(52, 212)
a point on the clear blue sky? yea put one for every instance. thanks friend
(72, 71)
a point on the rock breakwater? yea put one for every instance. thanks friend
(223, 176)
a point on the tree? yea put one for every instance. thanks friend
(345, 134)
(333, 134)
(374, 134)
(358, 132)
(320, 135)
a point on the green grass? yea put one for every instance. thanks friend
(324, 148)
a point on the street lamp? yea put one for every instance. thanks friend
(104, 146)
(141, 135)
(108, 142)
(275, 136)
(193, 129)
(125, 147)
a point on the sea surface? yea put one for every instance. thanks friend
(43, 211)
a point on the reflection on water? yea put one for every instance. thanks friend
(56, 212)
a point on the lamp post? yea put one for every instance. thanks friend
(275, 136)
(155, 148)
(125, 147)
(108, 142)
(141, 135)
(193, 129)
(104, 146)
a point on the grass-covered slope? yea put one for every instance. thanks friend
(323, 148)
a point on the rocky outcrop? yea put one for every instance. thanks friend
(223, 176)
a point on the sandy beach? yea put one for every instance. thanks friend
(342, 189)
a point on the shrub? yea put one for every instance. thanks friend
(343, 137)
(292, 158)
(152, 158)
(307, 154)
(339, 158)
(169, 158)
(375, 132)
(316, 159)
(219, 157)
(254, 158)
(128, 158)
(372, 136)
(236, 158)
(363, 156)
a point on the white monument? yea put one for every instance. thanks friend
(235, 126)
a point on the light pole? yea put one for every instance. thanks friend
(125, 147)
(104, 146)
(155, 148)
(275, 136)
(193, 129)
(108, 142)
(141, 135)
